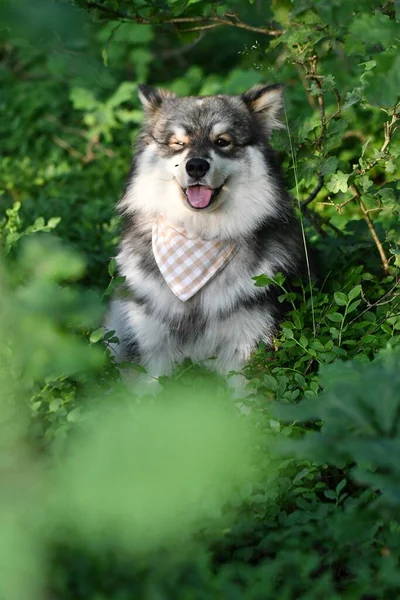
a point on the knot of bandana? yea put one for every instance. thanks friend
(188, 264)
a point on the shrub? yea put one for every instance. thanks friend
(183, 496)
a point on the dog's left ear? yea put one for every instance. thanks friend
(267, 102)
(152, 98)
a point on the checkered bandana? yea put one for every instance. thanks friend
(188, 264)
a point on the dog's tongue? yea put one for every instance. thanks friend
(199, 196)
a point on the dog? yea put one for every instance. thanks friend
(204, 211)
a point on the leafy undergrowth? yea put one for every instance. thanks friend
(183, 495)
(293, 494)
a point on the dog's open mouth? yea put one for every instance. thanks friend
(201, 196)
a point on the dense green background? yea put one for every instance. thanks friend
(182, 497)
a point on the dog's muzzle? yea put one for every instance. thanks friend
(197, 167)
(198, 194)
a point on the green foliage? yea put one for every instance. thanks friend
(105, 495)
(359, 411)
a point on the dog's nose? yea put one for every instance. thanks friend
(197, 167)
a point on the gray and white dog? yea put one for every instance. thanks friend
(204, 166)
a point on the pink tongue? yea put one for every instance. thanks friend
(199, 196)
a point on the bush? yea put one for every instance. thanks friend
(183, 496)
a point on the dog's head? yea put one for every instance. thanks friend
(204, 154)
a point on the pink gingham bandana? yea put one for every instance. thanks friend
(188, 264)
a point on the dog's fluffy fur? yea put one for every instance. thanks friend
(229, 315)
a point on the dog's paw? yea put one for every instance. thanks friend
(147, 386)
(141, 384)
(239, 386)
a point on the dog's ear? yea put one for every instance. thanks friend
(152, 98)
(267, 102)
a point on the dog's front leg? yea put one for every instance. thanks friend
(144, 340)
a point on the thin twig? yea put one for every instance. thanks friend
(319, 222)
(354, 133)
(338, 104)
(66, 146)
(89, 155)
(314, 193)
(200, 28)
(378, 243)
(174, 52)
(311, 99)
(379, 322)
(380, 302)
(389, 128)
(339, 207)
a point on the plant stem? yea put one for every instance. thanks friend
(378, 243)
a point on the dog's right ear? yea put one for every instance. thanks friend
(152, 98)
(266, 102)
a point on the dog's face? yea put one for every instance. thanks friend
(201, 154)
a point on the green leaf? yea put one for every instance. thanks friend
(297, 320)
(97, 335)
(334, 133)
(335, 317)
(112, 267)
(74, 415)
(342, 484)
(279, 279)
(262, 280)
(338, 182)
(353, 46)
(124, 93)
(352, 98)
(381, 84)
(300, 379)
(376, 29)
(341, 298)
(275, 425)
(55, 405)
(53, 222)
(330, 494)
(270, 383)
(390, 166)
(303, 341)
(83, 99)
(240, 80)
(329, 166)
(366, 183)
(288, 333)
(387, 194)
(109, 334)
(308, 125)
(356, 291)
(114, 285)
(353, 306)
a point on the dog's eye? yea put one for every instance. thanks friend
(222, 142)
(176, 144)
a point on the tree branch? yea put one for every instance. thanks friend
(202, 22)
